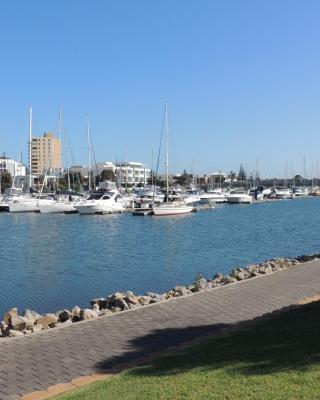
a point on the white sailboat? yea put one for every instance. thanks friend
(176, 207)
(26, 202)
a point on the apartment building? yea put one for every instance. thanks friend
(45, 153)
(14, 168)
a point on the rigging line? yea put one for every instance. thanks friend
(159, 152)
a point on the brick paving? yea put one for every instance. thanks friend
(35, 362)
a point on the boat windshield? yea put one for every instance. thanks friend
(95, 196)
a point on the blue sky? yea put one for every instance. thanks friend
(242, 80)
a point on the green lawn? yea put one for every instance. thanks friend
(275, 359)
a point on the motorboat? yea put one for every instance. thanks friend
(283, 194)
(315, 191)
(239, 196)
(101, 203)
(215, 196)
(58, 204)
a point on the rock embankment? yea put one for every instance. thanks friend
(14, 325)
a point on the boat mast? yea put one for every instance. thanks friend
(30, 146)
(89, 155)
(67, 154)
(59, 138)
(167, 148)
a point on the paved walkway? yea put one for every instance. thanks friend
(35, 362)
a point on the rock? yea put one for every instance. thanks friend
(88, 314)
(37, 328)
(203, 284)
(121, 303)
(102, 302)
(31, 315)
(19, 323)
(53, 316)
(96, 308)
(218, 277)
(181, 290)
(240, 276)
(7, 316)
(14, 333)
(4, 328)
(229, 279)
(116, 296)
(116, 309)
(47, 321)
(131, 299)
(106, 312)
(144, 300)
(64, 316)
(76, 311)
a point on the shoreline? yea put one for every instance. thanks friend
(14, 325)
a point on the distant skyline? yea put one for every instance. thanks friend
(241, 79)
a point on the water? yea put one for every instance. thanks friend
(49, 262)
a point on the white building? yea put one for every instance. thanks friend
(132, 173)
(127, 173)
(13, 167)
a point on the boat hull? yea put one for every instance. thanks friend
(239, 200)
(21, 206)
(166, 210)
(88, 209)
(56, 207)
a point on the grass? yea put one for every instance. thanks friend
(275, 359)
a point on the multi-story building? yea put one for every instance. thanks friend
(132, 173)
(126, 173)
(13, 167)
(45, 154)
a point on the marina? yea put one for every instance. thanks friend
(53, 261)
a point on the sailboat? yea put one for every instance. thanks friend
(26, 202)
(173, 207)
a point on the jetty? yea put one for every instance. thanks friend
(52, 361)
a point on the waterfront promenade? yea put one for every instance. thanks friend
(37, 362)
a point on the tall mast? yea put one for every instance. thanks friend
(167, 148)
(59, 141)
(89, 154)
(67, 154)
(30, 146)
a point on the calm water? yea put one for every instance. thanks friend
(49, 262)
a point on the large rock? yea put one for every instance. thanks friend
(181, 290)
(131, 299)
(102, 302)
(4, 328)
(76, 311)
(7, 316)
(31, 315)
(37, 328)
(19, 323)
(47, 321)
(64, 315)
(88, 314)
(121, 303)
(203, 284)
(229, 279)
(14, 333)
(144, 300)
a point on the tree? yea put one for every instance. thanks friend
(6, 180)
(242, 174)
(107, 175)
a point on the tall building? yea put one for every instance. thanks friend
(45, 153)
